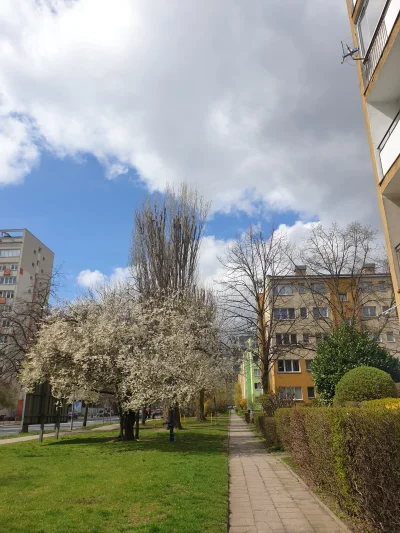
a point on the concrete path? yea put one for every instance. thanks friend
(265, 496)
(62, 434)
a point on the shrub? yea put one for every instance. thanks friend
(364, 383)
(348, 347)
(388, 403)
(266, 427)
(354, 454)
(243, 404)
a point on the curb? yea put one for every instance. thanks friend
(320, 502)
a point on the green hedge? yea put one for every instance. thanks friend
(266, 427)
(362, 384)
(353, 454)
(388, 403)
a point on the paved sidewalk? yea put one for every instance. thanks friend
(264, 495)
(62, 434)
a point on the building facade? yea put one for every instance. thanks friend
(303, 311)
(250, 377)
(26, 267)
(375, 28)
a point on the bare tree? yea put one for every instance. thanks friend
(166, 242)
(343, 270)
(249, 292)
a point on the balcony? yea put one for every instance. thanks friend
(379, 38)
(389, 148)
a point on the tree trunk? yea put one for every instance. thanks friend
(129, 420)
(137, 419)
(85, 416)
(121, 422)
(143, 416)
(200, 415)
(177, 417)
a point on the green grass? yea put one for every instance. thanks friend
(92, 483)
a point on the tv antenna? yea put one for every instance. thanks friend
(350, 53)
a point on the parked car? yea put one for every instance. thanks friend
(73, 414)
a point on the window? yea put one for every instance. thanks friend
(291, 393)
(283, 290)
(342, 296)
(311, 393)
(306, 338)
(34, 251)
(375, 336)
(288, 365)
(365, 286)
(14, 267)
(4, 322)
(2, 339)
(320, 312)
(286, 338)
(369, 311)
(303, 312)
(390, 336)
(40, 249)
(284, 313)
(308, 365)
(381, 286)
(6, 294)
(318, 287)
(257, 386)
(8, 281)
(302, 288)
(257, 372)
(321, 337)
(367, 22)
(9, 253)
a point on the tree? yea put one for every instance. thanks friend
(248, 293)
(362, 384)
(348, 347)
(8, 395)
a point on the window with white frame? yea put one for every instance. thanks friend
(342, 296)
(11, 280)
(284, 313)
(286, 338)
(257, 372)
(4, 322)
(308, 365)
(382, 286)
(2, 339)
(318, 287)
(321, 337)
(302, 288)
(311, 393)
(306, 338)
(365, 286)
(257, 386)
(369, 311)
(283, 290)
(289, 366)
(10, 253)
(320, 312)
(6, 294)
(375, 336)
(303, 312)
(291, 393)
(390, 336)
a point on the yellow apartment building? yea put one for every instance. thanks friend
(375, 28)
(305, 308)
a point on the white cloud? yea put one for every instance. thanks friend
(250, 105)
(90, 279)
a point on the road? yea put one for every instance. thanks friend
(6, 429)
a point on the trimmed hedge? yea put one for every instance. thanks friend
(388, 403)
(266, 427)
(353, 454)
(364, 383)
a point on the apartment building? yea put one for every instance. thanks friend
(26, 267)
(375, 28)
(249, 376)
(305, 308)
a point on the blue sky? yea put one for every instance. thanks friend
(251, 108)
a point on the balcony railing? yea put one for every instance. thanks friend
(379, 39)
(389, 148)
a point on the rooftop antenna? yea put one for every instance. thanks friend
(348, 52)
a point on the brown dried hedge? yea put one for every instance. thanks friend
(354, 454)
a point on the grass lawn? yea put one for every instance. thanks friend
(91, 483)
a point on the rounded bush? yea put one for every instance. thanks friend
(364, 383)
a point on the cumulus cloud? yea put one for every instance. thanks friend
(90, 279)
(250, 105)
